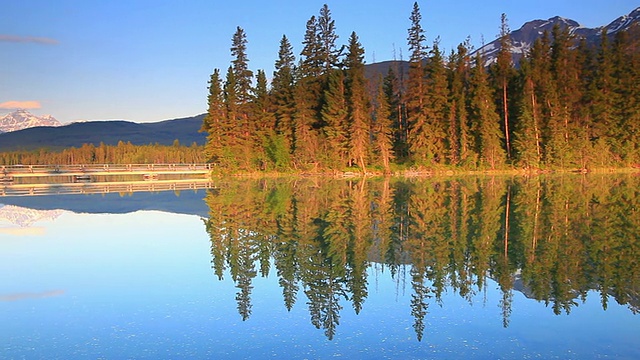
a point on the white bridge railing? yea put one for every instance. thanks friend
(54, 170)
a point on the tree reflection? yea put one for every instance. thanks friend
(553, 239)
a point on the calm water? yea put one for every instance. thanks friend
(439, 268)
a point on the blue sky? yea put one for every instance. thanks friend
(144, 61)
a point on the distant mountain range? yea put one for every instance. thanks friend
(185, 130)
(523, 38)
(22, 119)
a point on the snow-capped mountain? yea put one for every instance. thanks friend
(523, 38)
(22, 119)
(24, 217)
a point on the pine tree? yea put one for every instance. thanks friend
(485, 117)
(626, 64)
(282, 91)
(334, 116)
(459, 133)
(359, 117)
(263, 129)
(544, 93)
(328, 53)
(564, 72)
(437, 103)
(502, 73)
(231, 129)
(308, 98)
(393, 94)
(239, 94)
(416, 93)
(213, 120)
(382, 128)
(527, 137)
(240, 65)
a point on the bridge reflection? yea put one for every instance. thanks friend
(104, 187)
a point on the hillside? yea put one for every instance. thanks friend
(185, 130)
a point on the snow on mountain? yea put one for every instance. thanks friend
(22, 119)
(523, 38)
(624, 22)
(24, 217)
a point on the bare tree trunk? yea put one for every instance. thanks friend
(505, 109)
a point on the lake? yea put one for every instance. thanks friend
(305, 268)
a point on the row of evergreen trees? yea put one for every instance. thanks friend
(566, 104)
(121, 153)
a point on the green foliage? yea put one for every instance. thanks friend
(567, 105)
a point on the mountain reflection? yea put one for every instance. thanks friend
(552, 238)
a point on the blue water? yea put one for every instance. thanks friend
(140, 286)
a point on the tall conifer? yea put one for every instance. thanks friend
(282, 90)
(416, 91)
(214, 118)
(359, 118)
(487, 120)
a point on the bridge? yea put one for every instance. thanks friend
(10, 172)
(29, 180)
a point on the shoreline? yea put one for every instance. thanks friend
(433, 173)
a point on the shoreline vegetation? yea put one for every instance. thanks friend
(423, 173)
(566, 104)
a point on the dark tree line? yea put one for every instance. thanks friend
(566, 104)
(122, 153)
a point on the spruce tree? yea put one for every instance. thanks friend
(527, 138)
(359, 118)
(308, 98)
(485, 118)
(544, 93)
(416, 93)
(334, 116)
(393, 94)
(383, 135)
(503, 72)
(437, 96)
(327, 37)
(214, 118)
(567, 94)
(263, 129)
(240, 64)
(232, 132)
(459, 134)
(240, 94)
(282, 91)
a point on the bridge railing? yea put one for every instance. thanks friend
(54, 169)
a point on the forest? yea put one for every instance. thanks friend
(121, 153)
(566, 104)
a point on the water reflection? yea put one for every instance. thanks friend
(554, 239)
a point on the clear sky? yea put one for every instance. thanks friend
(143, 60)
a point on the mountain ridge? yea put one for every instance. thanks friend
(109, 132)
(523, 38)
